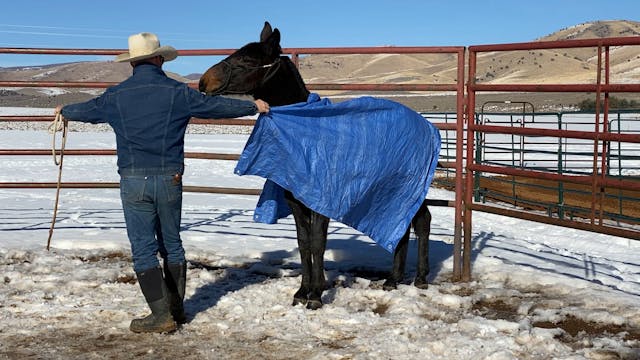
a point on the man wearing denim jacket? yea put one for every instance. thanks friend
(149, 113)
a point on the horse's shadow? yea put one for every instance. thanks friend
(368, 260)
(349, 256)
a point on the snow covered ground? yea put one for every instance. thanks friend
(538, 291)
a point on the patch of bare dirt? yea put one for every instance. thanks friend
(76, 343)
(527, 192)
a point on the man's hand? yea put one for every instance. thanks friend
(262, 106)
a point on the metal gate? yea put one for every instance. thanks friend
(465, 135)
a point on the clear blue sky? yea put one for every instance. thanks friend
(195, 24)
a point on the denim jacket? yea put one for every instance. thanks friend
(149, 113)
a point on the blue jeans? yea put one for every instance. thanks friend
(152, 207)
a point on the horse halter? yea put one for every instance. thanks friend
(272, 68)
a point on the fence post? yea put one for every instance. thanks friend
(560, 171)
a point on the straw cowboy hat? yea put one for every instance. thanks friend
(146, 45)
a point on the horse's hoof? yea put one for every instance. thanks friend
(299, 301)
(390, 285)
(421, 284)
(314, 304)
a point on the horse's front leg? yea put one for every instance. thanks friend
(311, 229)
(422, 227)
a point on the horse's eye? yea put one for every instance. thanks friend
(244, 62)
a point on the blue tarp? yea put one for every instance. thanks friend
(366, 162)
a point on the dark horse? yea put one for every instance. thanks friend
(260, 70)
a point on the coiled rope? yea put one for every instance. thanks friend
(59, 124)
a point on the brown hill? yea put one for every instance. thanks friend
(89, 71)
(561, 66)
(540, 66)
(76, 71)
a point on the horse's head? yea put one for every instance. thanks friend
(247, 68)
(257, 69)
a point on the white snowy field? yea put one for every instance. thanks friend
(538, 291)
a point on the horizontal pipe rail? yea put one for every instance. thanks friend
(384, 87)
(558, 44)
(377, 50)
(105, 152)
(241, 122)
(61, 51)
(193, 121)
(353, 87)
(447, 164)
(115, 185)
(574, 134)
(196, 121)
(186, 188)
(599, 181)
(221, 52)
(609, 230)
(556, 87)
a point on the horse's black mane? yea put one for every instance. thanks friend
(299, 81)
(298, 78)
(285, 87)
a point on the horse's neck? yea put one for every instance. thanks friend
(285, 87)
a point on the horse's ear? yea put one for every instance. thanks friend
(266, 32)
(274, 38)
(272, 44)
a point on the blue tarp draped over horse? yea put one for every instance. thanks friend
(366, 162)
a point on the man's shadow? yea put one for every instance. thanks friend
(234, 279)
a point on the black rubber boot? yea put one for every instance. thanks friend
(175, 276)
(155, 292)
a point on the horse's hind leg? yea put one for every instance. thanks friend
(302, 221)
(399, 261)
(319, 226)
(422, 227)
